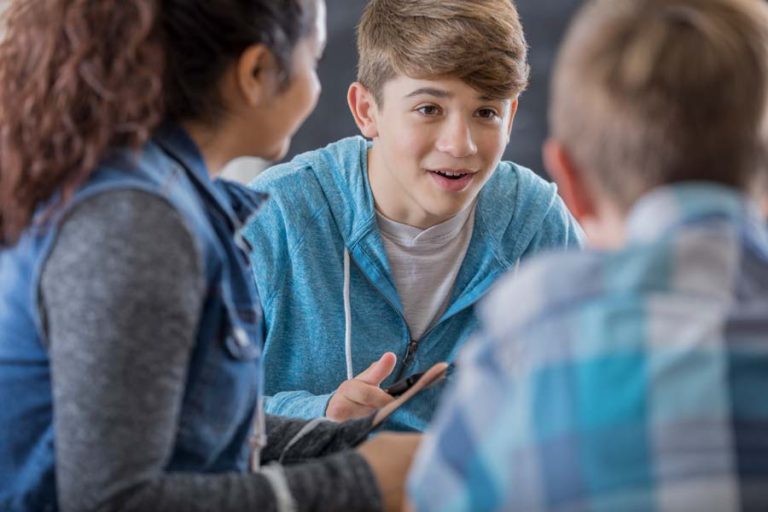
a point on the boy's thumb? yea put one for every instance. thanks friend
(379, 370)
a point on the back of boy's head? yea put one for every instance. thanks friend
(478, 41)
(651, 92)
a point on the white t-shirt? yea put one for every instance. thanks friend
(425, 263)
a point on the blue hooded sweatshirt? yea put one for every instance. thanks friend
(320, 208)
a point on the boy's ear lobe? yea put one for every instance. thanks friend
(570, 180)
(256, 75)
(363, 106)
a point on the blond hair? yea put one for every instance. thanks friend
(478, 41)
(648, 92)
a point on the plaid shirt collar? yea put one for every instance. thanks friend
(663, 210)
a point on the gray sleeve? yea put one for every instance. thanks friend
(288, 442)
(121, 295)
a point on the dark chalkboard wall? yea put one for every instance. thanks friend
(544, 22)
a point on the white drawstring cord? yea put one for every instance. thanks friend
(347, 318)
(306, 429)
(258, 438)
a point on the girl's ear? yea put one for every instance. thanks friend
(364, 109)
(257, 75)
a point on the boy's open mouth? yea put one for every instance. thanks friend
(451, 175)
(452, 180)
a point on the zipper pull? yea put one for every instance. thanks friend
(408, 358)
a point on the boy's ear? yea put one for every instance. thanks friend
(256, 75)
(364, 109)
(570, 180)
(512, 113)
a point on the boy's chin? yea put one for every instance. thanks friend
(446, 210)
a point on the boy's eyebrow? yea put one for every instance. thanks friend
(441, 93)
(431, 91)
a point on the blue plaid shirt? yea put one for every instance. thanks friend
(634, 380)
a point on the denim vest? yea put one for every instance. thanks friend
(224, 378)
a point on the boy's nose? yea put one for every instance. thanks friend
(456, 139)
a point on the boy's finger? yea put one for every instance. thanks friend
(379, 370)
(366, 395)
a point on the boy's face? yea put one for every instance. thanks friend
(436, 143)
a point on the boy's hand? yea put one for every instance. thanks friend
(359, 397)
(390, 456)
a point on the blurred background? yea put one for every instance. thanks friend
(544, 22)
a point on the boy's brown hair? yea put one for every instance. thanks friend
(649, 92)
(478, 41)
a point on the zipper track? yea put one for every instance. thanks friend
(413, 345)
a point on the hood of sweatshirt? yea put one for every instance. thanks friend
(511, 208)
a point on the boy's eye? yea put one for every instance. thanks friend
(487, 113)
(429, 110)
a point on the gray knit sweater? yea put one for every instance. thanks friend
(121, 293)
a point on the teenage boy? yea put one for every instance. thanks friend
(631, 377)
(384, 246)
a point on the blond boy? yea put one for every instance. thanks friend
(631, 377)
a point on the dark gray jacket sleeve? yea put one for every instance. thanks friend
(121, 296)
(288, 442)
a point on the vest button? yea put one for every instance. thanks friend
(241, 338)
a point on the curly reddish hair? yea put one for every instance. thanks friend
(76, 78)
(79, 78)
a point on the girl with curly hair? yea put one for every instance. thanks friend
(130, 330)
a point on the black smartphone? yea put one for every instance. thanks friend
(403, 385)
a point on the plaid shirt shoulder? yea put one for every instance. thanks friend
(616, 381)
